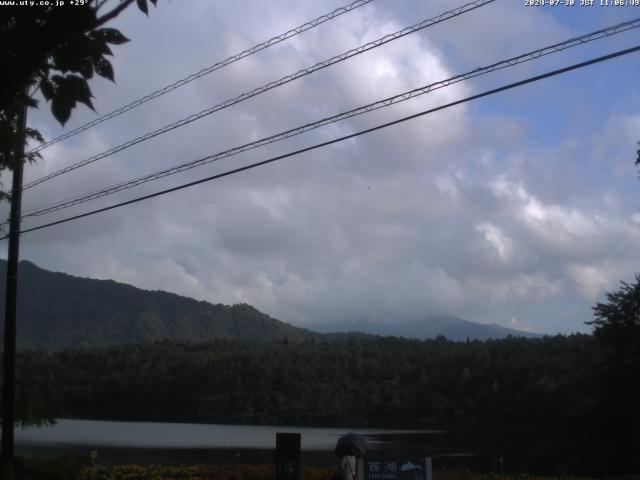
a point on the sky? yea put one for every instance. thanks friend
(519, 208)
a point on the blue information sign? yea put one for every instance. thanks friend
(395, 469)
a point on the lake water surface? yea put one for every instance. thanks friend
(181, 443)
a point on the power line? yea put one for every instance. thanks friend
(572, 42)
(205, 71)
(340, 139)
(282, 81)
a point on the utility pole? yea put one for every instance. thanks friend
(9, 359)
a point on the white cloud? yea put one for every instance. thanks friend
(519, 325)
(494, 237)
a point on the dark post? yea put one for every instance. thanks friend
(287, 456)
(9, 370)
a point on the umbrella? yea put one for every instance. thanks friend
(351, 444)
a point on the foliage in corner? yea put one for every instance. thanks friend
(56, 50)
(615, 415)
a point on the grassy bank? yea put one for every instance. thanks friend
(55, 468)
(198, 472)
(68, 468)
(255, 472)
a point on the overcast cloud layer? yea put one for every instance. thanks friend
(519, 209)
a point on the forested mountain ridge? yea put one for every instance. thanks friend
(57, 310)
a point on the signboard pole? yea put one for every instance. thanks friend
(428, 470)
(288, 456)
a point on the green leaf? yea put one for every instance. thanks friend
(31, 102)
(47, 88)
(142, 5)
(103, 68)
(61, 109)
(110, 35)
(99, 47)
(35, 134)
(86, 68)
(57, 79)
(70, 55)
(78, 89)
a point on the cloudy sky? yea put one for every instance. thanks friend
(520, 208)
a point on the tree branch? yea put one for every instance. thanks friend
(100, 4)
(113, 13)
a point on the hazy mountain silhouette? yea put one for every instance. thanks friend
(57, 310)
(430, 326)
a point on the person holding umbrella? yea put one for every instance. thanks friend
(347, 449)
(347, 468)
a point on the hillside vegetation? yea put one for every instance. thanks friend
(520, 398)
(56, 310)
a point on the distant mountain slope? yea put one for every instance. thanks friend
(454, 328)
(56, 310)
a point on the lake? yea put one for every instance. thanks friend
(186, 443)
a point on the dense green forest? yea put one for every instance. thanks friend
(520, 398)
(385, 382)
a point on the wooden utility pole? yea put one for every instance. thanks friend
(9, 365)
